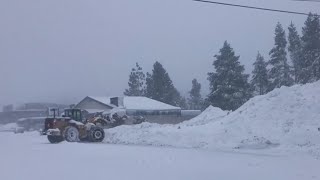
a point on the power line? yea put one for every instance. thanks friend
(252, 7)
(307, 0)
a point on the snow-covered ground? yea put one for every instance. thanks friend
(286, 119)
(30, 156)
(274, 136)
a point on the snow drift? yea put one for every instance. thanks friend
(288, 117)
(209, 115)
(185, 134)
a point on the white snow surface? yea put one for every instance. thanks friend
(138, 103)
(29, 156)
(144, 103)
(285, 119)
(269, 137)
(102, 99)
(209, 115)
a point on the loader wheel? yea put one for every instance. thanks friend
(71, 134)
(55, 139)
(96, 134)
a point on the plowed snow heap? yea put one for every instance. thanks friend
(286, 117)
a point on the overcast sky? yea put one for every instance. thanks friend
(62, 51)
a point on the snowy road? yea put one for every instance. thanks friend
(30, 157)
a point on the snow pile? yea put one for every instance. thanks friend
(8, 127)
(157, 135)
(288, 117)
(209, 115)
(189, 134)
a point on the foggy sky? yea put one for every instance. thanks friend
(62, 51)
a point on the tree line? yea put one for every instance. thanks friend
(156, 85)
(294, 59)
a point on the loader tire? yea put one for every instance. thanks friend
(71, 134)
(96, 134)
(55, 139)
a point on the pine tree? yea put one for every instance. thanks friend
(183, 103)
(294, 49)
(150, 91)
(136, 82)
(195, 101)
(280, 70)
(259, 81)
(160, 86)
(229, 87)
(311, 49)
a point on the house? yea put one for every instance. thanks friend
(133, 105)
(152, 110)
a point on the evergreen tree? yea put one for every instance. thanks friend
(229, 87)
(294, 49)
(150, 91)
(311, 49)
(136, 82)
(160, 86)
(280, 69)
(183, 102)
(195, 101)
(259, 81)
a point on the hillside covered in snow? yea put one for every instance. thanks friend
(287, 118)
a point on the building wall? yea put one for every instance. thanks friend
(172, 112)
(89, 103)
(172, 116)
(13, 116)
(164, 117)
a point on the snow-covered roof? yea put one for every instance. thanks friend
(103, 100)
(144, 103)
(138, 103)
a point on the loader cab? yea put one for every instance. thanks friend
(53, 112)
(74, 114)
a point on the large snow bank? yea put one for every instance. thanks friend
(288, 117)
(190, 134)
